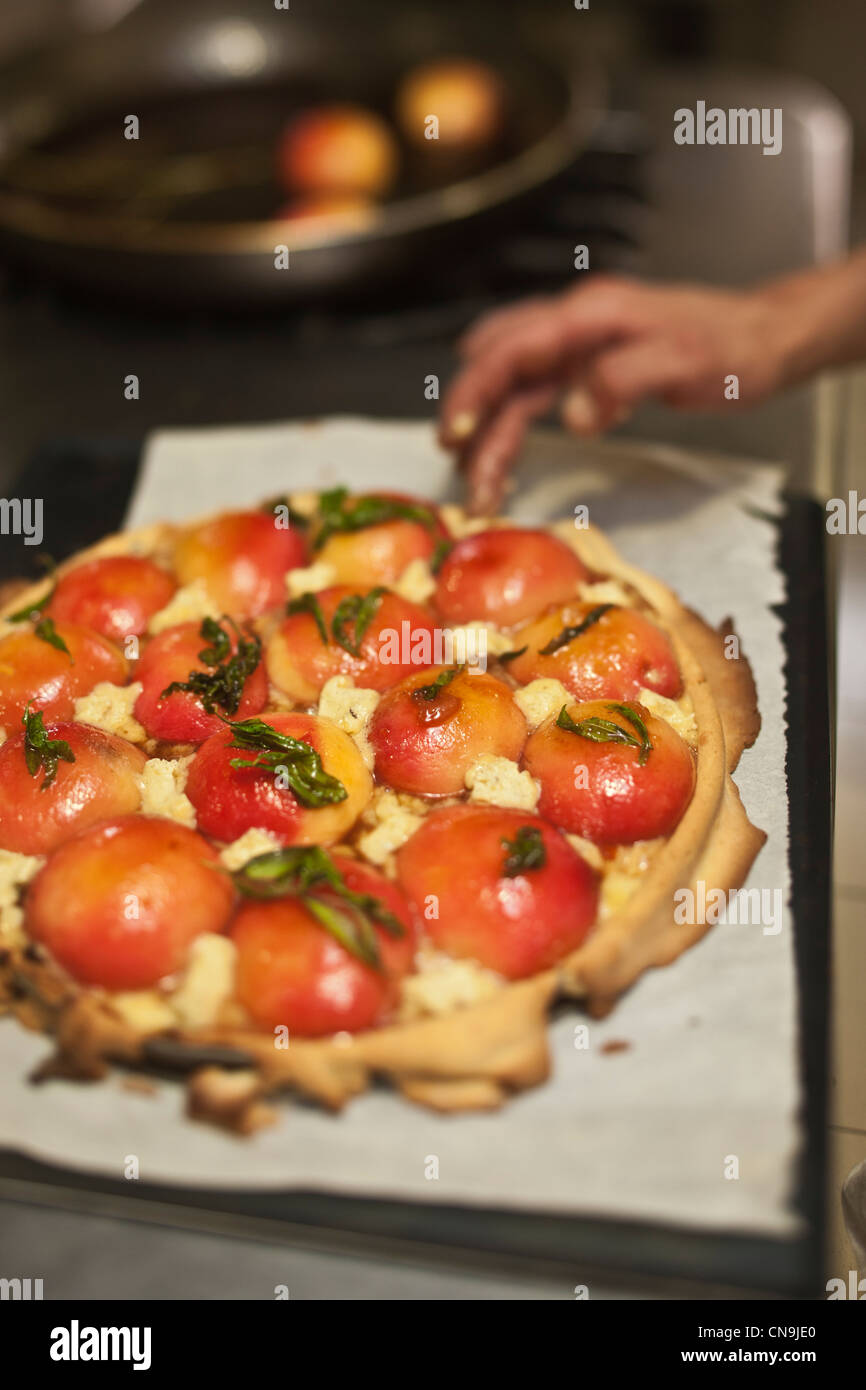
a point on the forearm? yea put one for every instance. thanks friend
(820, 316)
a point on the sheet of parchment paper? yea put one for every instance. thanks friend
(694, 1122)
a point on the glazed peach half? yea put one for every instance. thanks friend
(116, 595)
(597, 651)
(119, 904)
(61, 778)
(370, 539)
(611, 772)
(327, 959)
(505, 575)
(242, 559)
(50, 665)
(499, 887)
(338, 149)
(427, 731)
(295, 775)
(370, 637)
(194, 675)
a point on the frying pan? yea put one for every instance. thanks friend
(226, 74)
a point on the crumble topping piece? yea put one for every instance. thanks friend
(246, 847)
(393, 818)
(351, 708)
(540, 699)
(500, 782)
(207, 982)
(190, 604)
(309, 580)
(674, 712)
(605, 591)
(16, 870)
(163, 784)
(442, 984)
(416, 583)
(109, 707)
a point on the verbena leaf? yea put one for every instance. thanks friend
(309, 603)
(338, 512)
(309, 873)
(568, 634)
(307, 778)
(223, 686)
(525, 852)
(599, 730)
(47, 632)
(435, 688)
(40, 751)
(359, 610)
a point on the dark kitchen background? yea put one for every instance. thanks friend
(215, 337)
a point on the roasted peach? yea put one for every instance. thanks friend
(505, 575)
(236, 686)
(339, 631)
(293, 972)
(371, 539)
(465, 97)
(611, 772)
(242, 558)
(62, 795)
(119, 904)
(429, 730)
(500, 887)
(338, 149)
(295, 775)
(115, 595)
(598, 651)
(33, 669)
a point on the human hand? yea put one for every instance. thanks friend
(600, 350)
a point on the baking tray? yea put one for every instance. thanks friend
(90, 483)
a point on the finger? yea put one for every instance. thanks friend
(620, 378)
(482, 334)
(536, 350)
(490, 459)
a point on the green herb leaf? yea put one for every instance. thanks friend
(312, 875)
(359, 610)
(47, 632)
(568, 634)
(33, 609)
(221, 642)
(223, 686)
(435, 688)
(40, 751)
(308, 780)
(441, 551)
(309, 603)
(599, 730)
(526, 851)
(338, 512)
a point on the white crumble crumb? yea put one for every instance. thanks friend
(393, 823)
(351, 708)
(442, 984)
(540, 699)
(163, 784)
(190, 604)
(605, 591)
(144, 1010)
(681, 719)
(310, 580)
(246, 847)
(500, 782)
(460, 524)
(416, 583)
(474, 642)
(588, 851)
(109, 707)
(207, 981)
(305, 503)
(16, 870)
